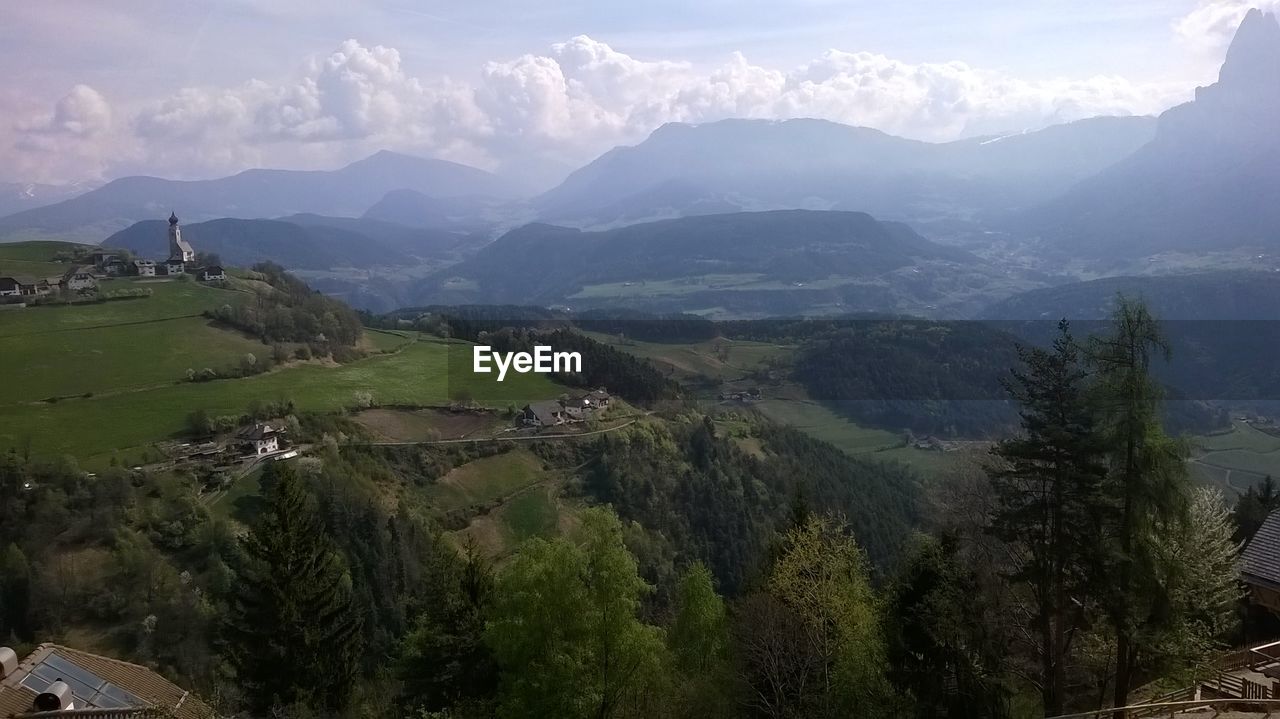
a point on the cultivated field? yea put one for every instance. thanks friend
(1236, 459)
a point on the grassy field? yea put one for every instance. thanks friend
(106, 359)
(735, 359)
(822, 423)
(34, 259)
(487, 480)
(68, 350)
(529, 514)
(416, 375)
(1236, 459)
(387, 340)
(169, 299)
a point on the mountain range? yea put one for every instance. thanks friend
(347, 191)
(815, 164)
(1209, 181)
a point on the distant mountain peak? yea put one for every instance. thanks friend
(1254, 55)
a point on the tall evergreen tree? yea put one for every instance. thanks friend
(294, 635)
(1147, 481)
(1049, 503)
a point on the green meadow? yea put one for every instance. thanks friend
(487, 480)
(416, 375)
(109, 359)
(169, 299)
(1236, 459)
(734, 359)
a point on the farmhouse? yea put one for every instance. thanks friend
(110, 263)
(172, 267)
(260, 439)
(17, 286)
(543, 414)
(599, 397)
(212, 273)
(577, 407)
(80, 280)
(144, 268)
(569, 409)
(1260, 565)
(115, 266)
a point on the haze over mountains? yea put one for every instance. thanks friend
(815, 164)
(1198, 188)
(348, 191)
(1208, 181)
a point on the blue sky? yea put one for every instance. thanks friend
(196, 89)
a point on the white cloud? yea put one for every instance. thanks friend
(565, 106)
(72, 140)
(1209, 27)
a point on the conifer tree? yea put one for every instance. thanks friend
(1147, 483)
(294, 636)
(1049, 504)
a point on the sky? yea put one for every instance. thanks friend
(201, 88)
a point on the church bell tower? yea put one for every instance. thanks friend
(179, 249)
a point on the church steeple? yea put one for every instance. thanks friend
(179, 249)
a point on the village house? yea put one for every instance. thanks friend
(172, 267)
(260, 439)
(577, 407)
(1260, 565)
(144, 268)
(59, 679)
(599, 398)
(115, 267)
(17, 286)
(80, 280)
(542, 414)
(569, 409)
(212, 273)
(109, 263)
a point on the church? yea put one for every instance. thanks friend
(180, 251)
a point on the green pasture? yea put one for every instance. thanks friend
(417, 375)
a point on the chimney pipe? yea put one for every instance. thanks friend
(56, 698)
(8, 662)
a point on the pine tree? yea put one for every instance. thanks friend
(294, 636)
(1049, 503)
(1147, 482)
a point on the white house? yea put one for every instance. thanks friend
(79, 281)
(144, 268)
(261, 439)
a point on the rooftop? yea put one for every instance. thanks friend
(1261, 558)
(120, 689)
